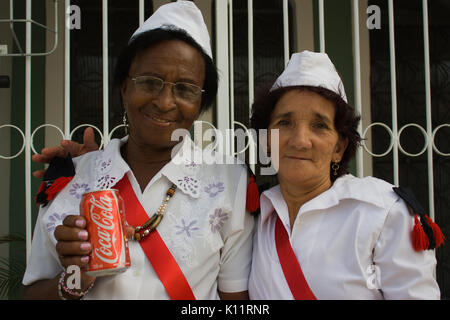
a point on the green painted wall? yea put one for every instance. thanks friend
(338, 43)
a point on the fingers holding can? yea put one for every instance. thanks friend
(72, 245)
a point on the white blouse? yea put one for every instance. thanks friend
(352, 242)
(205, 226)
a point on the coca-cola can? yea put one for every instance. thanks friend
(105, 217)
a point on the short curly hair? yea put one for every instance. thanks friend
(346, 119)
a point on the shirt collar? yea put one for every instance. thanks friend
(185, 167)
(183, 170)
(345, 187)
(272, 200)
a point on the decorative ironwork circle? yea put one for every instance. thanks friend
(250, 138)
(88, 125)
(424, 133)
(216, 133)
(115, 128)
(41, 126)
(434, 145)
(23, 142)
(389, 132)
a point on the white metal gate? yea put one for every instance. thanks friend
(225, 103)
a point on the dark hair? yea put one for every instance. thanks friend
(345, 121)
(152, 37)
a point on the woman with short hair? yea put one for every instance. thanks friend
(323, 233)
(166, 78)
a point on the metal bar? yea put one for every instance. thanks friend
(426, 43)
(11, 25)
(357, 81)
(286, 31)
(321, 26)
(28, 20)
(28, 230)
(393, 90)
(141, 12)
(231, 72)
(222, 62)
(67, 77)
(12, 20)
(105, 72)
(251, 82)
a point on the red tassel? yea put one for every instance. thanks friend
(419, 238)
(57, 186)
(252, 203)
(438, 235)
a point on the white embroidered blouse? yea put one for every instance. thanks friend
(205, 226)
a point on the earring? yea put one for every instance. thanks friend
(335, 167)
(125, 122)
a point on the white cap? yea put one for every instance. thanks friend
(180, 15)
(311, 69)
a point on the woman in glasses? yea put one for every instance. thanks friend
(167, 78)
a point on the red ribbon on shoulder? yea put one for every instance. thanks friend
(155, 249)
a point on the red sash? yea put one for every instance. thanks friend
(290, 265)
(154, 247)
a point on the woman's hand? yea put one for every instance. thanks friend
(73, 247)
(67, 146)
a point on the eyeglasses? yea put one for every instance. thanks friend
(181, 90)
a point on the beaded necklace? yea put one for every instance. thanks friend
(142, 231)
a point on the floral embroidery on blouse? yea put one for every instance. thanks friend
(55, 219)
(217, 219)
(187, 228)
(78, 189)
(105, 182)
(190, 168)
(191, 164)
(102, 164)
(214, 188)
(189, 185)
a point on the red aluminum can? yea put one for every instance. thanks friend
(105, 216)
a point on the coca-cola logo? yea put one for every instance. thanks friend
(101, 212)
